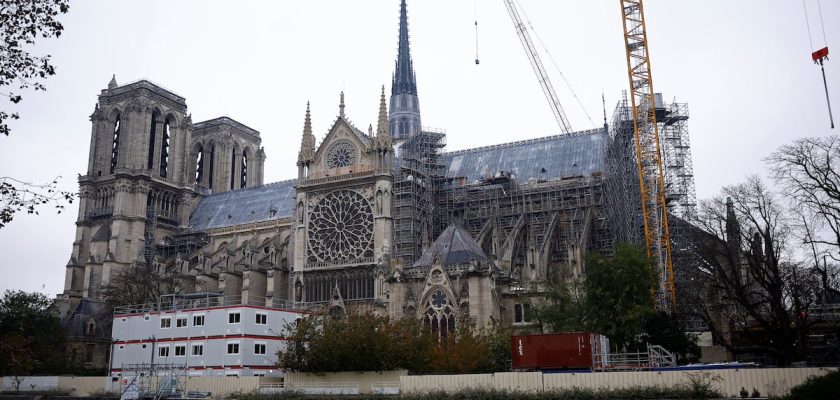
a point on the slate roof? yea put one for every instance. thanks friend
(552, 157)
(244, 206)
(74, 325)
(454, 246)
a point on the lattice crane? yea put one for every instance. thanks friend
(536, 63)
(648, 152)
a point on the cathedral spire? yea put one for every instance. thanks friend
(307, 141)
(405, 106)
(404, 74)
(341, 105)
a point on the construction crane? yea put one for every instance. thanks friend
(542, 76)
(648, 152)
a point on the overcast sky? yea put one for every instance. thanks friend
(743, 67)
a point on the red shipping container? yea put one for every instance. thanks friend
(557, 350)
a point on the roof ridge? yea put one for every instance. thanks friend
(524, 142)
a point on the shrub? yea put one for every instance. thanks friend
(817, 388)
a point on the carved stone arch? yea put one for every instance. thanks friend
(113, 113)
(156, 110)
(173, 119)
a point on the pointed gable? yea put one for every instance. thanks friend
(454, 246)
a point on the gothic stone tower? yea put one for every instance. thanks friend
(136, 170)
(405, 106)
(343, 221)
(148, 166)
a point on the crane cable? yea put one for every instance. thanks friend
(819, 55)
(554, 63)
(475, 13)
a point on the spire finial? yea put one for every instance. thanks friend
(307, 141)
(113, 83)
(382, 125)
(341, 105)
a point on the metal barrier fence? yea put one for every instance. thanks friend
(768, 381)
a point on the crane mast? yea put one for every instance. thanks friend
(536, 63)
(648, 152)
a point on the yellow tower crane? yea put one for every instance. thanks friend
(648, 152)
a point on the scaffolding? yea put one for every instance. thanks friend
(154, 381)
(542, 224)
(417, 168)
(624, 203)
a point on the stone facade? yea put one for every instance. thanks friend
(382, 221)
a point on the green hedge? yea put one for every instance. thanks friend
(826, 387)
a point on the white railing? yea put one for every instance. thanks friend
(175, 302)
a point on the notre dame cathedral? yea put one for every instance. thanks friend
(383, 219)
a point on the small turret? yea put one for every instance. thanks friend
(383, 133)
(113, 83)
(307, 146)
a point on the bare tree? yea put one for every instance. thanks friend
(21, 24)
(142, 284)
(808, 171)
(18, 196)
(753, 284)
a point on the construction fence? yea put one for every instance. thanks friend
(768, 381)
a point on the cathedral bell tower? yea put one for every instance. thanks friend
(136, 188)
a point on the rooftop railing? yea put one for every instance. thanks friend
(183, 302)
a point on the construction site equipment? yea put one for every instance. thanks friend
(153, 381)
(536, 63)
(654, 210)
(656, 357)
(819, 55)
(557, 350)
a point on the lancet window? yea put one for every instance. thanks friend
(115, 149)
(440, 316)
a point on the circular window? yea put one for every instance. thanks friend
(340, 228)
(341, 154)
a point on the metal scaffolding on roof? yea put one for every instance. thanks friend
(416, 171)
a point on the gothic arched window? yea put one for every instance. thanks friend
(212, 165)
(150, 159)
(233, 169)
(243, 176)
(164, 149)
(199, 164)
(115, 149)
(440, 316)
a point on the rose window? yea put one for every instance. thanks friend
(438, 299)
(340, 228)
(341, 154)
